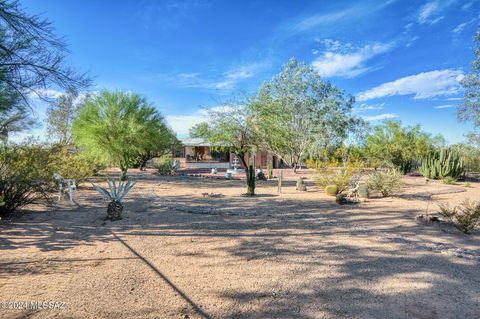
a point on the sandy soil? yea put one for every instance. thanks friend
(179, 255)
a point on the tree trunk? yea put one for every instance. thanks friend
(295, 168)
(245, 165)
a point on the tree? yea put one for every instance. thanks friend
(33, 55)
(469, 110)
(230, 128)
(297, 114)
(60, 116)
(393, 144)
(117, 127)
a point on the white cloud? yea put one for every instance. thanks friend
(366, 107)
(412, 41)
(455, 99)
(181, 124)
(380, 117)
(446, 106)
(459, 28)
(427, 11)
(319, 19)
(423, 85)
(346, 62)
(226, 81)
(238, 74)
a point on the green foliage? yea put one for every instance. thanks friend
(60, 116)
(385, 182)
(340, 177)
(331, 190)
(467, 184)
(298, 115)
(469, 110)
(117, 127)
(471, 157)
(70, 165)
(445, 163)
(230, 128)
(24, 176)
(465, 217)
(164, 166)
(251, 181)
(392, 144)
(449, 180)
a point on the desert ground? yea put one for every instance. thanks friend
(178, 254)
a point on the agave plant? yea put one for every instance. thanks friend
(115, 195)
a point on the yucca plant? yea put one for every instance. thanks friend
(115, 195)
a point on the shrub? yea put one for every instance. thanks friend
(164, 166)
(449, 180)
(70, 165)
(467, 184)
(465, 217)
(24, 176)
(385, 182)
(341, 177)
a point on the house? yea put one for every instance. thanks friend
(197, 153)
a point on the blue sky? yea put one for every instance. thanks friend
(401, 59)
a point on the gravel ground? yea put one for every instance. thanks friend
(177, 254)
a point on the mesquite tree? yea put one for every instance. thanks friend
(297, 114)
(230, 128)
(469, 110)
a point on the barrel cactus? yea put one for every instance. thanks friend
(115, 195)
(331, 190)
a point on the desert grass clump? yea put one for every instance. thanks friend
(449, 180)
(385, 182)
(466, 216)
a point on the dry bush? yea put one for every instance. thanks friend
(465, 217)
(385, 182)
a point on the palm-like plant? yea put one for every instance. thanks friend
(115, 195)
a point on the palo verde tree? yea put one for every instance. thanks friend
(32, 61)
(33, 56)
(118, 127)
(298, 115)
(469, 110)
(392, 144)
(231, 128)
(60, 116)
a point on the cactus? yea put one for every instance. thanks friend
(251, 181)
(115, 195)
(446, 163)
(331, 190)
(301, 185)
(270, 170)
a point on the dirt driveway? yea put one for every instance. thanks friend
(177, 254)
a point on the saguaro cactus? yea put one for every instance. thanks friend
(251, 181)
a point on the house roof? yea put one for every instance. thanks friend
(198, 142)
(194, 142)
